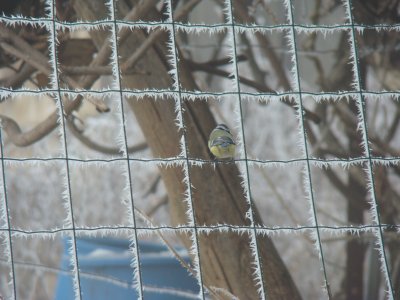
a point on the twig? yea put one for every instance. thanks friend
(36, 59)
(42, 129)
(188, 267)
(350, 120)
(154, 36)
(26, 57)
(254, 66)
(46, 126)
(161, 202)
(103, 149)
(269, 11)
(258, 86)
(24, 139)
(394, 127)
(210, 69)
(223, 61)
(8, 36)
(152, 187)
(17, 79)
(276, 63)
(217, 50)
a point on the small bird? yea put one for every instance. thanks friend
(221, 143)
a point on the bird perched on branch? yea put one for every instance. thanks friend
(221, 142)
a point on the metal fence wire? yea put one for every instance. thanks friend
(309, 89)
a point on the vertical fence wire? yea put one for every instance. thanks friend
(305, 146)
(61, 120)
(6, 214)
(179, 103)
(362, 110)
(259, 272)
(115, 57)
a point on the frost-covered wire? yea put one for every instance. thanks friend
(194, 236)
(123, 143)
(67, 193)
(380, 243)
(308, 186)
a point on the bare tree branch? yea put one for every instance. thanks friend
(100, 148)
(46, 126)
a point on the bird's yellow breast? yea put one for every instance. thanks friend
(223, 152)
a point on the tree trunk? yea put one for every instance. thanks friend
(218, 198)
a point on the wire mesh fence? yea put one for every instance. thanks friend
(310, 91)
